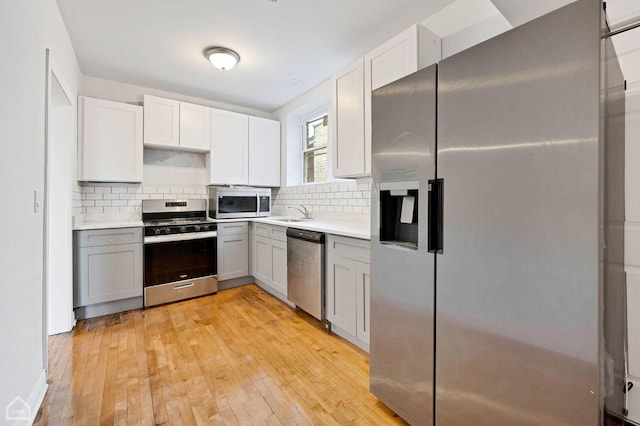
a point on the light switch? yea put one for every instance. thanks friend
(36, 201)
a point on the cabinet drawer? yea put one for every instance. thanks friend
(233, 228)
(278, 233)
(261, 229)
(106, 237)
(181, 290)
(350, 248)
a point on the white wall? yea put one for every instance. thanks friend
(26, 29)
(290, 143)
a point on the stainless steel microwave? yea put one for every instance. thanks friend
(230, 203)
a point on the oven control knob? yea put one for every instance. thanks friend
(205, 227)
(196, 228)
(183, 229)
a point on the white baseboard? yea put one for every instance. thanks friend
(37, 395)
(25, 415)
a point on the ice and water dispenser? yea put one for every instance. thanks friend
(399, 222)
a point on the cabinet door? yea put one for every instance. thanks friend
(279, 266)
(262, 259)
(195, 127)
(264, 152)
(233, 256)
(108, 273)
(161, 122)
(363, 286)
(394, 59)
(228, 161)
(341, 293)
(348, 121)
(110, 148)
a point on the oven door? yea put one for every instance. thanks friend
(172, 261)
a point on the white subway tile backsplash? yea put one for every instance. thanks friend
(335, 197)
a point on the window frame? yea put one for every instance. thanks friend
(304, 120)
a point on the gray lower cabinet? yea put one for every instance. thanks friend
(348, 282)
(233, 250)
(108, 268)
(269, 256)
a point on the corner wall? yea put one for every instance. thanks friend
(27, 28)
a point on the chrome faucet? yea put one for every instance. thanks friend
(305, 212)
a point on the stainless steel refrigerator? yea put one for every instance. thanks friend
(496, 196)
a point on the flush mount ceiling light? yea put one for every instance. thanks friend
(221, 57)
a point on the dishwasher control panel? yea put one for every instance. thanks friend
(303, 234)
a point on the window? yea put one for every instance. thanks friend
(315, 137)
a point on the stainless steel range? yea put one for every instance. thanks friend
(180, 257)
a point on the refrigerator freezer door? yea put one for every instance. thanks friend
(518, 282)
(402, 269)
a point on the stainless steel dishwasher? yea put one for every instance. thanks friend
(305, 270)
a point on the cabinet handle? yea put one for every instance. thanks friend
(364, 305)
(183, 276)
(178, 287)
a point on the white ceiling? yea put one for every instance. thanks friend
(287, 47)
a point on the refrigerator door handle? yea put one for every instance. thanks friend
(435, 223)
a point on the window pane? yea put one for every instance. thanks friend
(315, 165)
(317, 132)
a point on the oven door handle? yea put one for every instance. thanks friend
(154, 239)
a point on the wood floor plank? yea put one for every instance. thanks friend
(240, 357)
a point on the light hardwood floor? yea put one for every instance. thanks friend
(238, 357)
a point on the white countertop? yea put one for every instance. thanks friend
(353, 229)
(329, 225)
(106, 221)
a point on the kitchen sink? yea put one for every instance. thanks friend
(292, 220)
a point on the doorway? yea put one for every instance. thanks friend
(59, 165)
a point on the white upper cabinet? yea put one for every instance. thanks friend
(109, 141)
(348, 126)
(179, 125)
(161, 122)
(195, 127)
(264, 152)
(413, 49)
(245, 150)
(228, 160)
